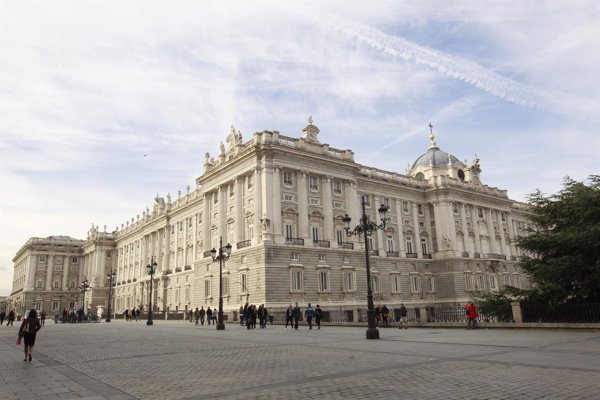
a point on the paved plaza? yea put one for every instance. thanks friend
(176, 360)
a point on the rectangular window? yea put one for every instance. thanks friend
(409, 248)
(287, 178)
(296, 280)
(430, 284)
(313, 201)
(415, 284)
(231, 190)
(322, 258)
(349, 278)
(75, 259)
(370, 243)
(55, 306)
(480, 212)
(469, 283)
(516, 281)
(207, 288)
(366, 199)
(288, 197)
(346, 259)
(455, 208)
(289, 231)
(395, 283)
(40, 284)
(405, 207)
(313, 183)
(56, 284)
(250, 182)
(424, 246)
(390, 243)
(339, 237)
(337, 187)
(375, 286)
(199, 218)
(493, 279)
(295, 256)
(189, 222)
(43, 258)
(480, 282)
(323, 281)
(315, 234)
(338, 204)
(243, 283)
(386, 202)
(420, 209)
(225, 284)
(506, 280)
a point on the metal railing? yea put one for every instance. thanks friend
(535, 312)
(294, 241)
(321, 243)
(244, 243)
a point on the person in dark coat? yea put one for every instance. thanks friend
(28, 330)
(209, 315)
(2, 316)
(11, 318)
(296, 314)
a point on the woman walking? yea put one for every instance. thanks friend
(28, 330)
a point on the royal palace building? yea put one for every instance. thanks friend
(280, 202)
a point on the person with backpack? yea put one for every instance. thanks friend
(472, 315)
(309, 313)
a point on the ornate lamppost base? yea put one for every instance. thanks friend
(372, 333)
(107, 320)
(150, 322)
(220, 326)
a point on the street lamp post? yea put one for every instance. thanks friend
(366, 227)
(151, 268)
(84, 287)
(110, 276)
(60, 295)
(224, 253)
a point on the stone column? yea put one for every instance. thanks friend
(206, 219)
(258, 203)
(327, 210)
(276, 226)
(475, 222)
(501, 231)
(401, 249)
(418, 249)
(239, 209)
(465, 228)
(511, 235)
(490, 228)
(303, 207)
(50, 271)
(439, 234)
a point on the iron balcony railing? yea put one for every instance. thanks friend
(294, 241)
(392, 254)
(346, 245)
(244, 243)
(321, 243)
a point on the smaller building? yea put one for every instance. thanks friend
(47, 275)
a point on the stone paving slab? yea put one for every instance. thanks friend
(175, 360)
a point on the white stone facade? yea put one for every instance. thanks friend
(280, 202)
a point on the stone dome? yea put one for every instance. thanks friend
(435, 157)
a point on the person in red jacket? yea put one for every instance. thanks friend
(471, 315)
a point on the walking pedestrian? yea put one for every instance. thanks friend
(403, 317)
(2, 316)
(241, 315)
(202, 313)
(318, 316)
(137, 314)
(309, 313)
(196, 315)
(28, 330)
(208, 315)
(471, 315)
(43, 317)
(296, 314)
(11, 318)
(288, 316)
(215, 313)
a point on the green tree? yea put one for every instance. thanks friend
(562, 253)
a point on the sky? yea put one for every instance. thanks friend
(104, 105)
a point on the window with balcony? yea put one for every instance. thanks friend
(296, 280)
(323, 281)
